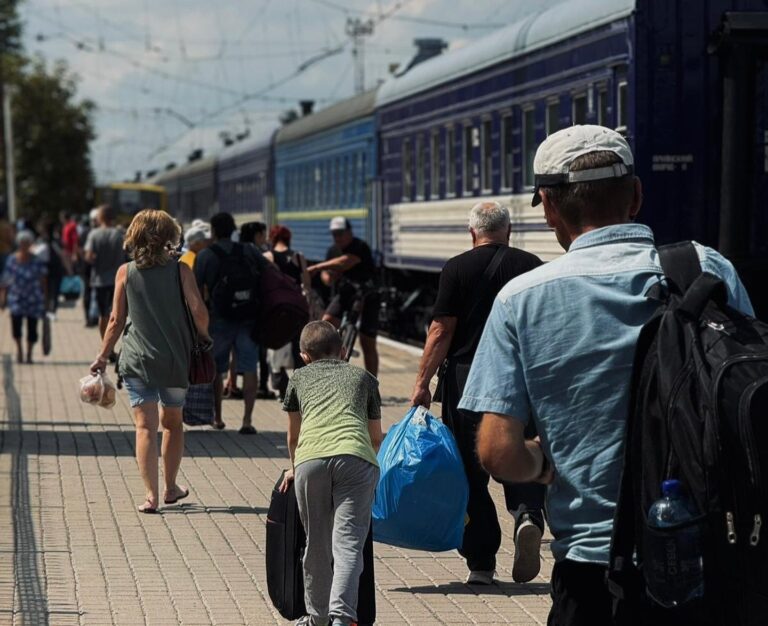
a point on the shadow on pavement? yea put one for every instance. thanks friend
(32, 605)
(191, 509)
(499, 589)
(119, 443)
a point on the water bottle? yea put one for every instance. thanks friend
(674, 572)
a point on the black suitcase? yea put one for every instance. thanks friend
(285, 549)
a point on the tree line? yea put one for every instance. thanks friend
(52, 128)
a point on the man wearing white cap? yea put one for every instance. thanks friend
(558, 349)
(196, 239)
(349, 265)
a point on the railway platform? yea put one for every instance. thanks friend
(75, 551)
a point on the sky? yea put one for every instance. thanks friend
(172, 76)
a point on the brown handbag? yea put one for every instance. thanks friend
(202, 369)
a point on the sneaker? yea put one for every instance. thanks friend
(527, 563)
(481, 577)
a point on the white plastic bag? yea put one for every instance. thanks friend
(98, 389)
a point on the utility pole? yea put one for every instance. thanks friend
(357, 29)
(10, 164)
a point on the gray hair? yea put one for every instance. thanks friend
(25, 236)
(489, 217)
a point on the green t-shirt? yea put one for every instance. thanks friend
(335, 400)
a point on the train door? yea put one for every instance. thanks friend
(741, 43)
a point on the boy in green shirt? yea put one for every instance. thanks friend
(334, 432)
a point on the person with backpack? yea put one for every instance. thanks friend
(289, 262)
(558, 350)
(228, 274)
(468, 284)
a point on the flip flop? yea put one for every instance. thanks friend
(147, 507)
(218, 425)
(183, 495)
(247, 430)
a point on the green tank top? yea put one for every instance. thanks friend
(156, 341)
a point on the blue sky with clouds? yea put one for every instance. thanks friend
(170, 76)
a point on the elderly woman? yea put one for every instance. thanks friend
(22, 288)
(154, 361)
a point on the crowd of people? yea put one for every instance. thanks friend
(533, 361)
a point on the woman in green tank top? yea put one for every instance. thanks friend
(154, 360)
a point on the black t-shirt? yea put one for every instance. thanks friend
(459, 282)
(362, 272)
(284, 261)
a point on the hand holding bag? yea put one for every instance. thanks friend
(202, 369)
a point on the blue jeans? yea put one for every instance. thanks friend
(141, 393)
(228, 335)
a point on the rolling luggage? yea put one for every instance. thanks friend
(284, 553)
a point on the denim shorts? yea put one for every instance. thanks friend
(140, 393)
(227, 336)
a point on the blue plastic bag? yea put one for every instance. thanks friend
(421, 498)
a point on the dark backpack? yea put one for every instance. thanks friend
(284, 310)
(698, 412)
(236, 293)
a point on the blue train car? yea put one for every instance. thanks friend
(325, 165)
(192, 189)
(466, 125)
(246, 174)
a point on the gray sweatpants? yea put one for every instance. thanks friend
(335, 497)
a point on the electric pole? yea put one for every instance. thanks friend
(357, 29)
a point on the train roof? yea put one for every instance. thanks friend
(335, 115)
(536, 31)
(253, 144)
(194, 167)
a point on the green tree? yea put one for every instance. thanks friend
(52, 131)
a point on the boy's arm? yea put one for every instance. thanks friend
(375, 433)
(294, 426)
(374, 415)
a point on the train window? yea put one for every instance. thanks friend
(529, 145)
(486, 174)
(622, 113)
(602, 107)
(450, 162)
(335, 182)
(360, 179)
(434, 172)
(579, 114)
(467, 160)
(506, 152)
(407, 169)
(553, 116)
(420, 165)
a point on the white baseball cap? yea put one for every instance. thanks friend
(339, 223)
(196, 233)
(552, 164)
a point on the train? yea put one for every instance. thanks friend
(685, 81)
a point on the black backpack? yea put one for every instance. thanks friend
(236, 293)
(699, 413)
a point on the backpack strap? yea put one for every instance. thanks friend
(680, 263)
(479, 294)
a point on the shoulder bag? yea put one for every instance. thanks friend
(202, 369)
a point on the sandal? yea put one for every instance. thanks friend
(218, 425)
(184, 493)
(147, 507)
(247, 429)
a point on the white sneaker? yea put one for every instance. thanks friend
(527, 563)
(481, 577)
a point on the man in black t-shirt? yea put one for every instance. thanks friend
(469, 283)
(349, 265)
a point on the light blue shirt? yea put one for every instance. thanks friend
(558, 347)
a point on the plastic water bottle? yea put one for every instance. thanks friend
(674, 571)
